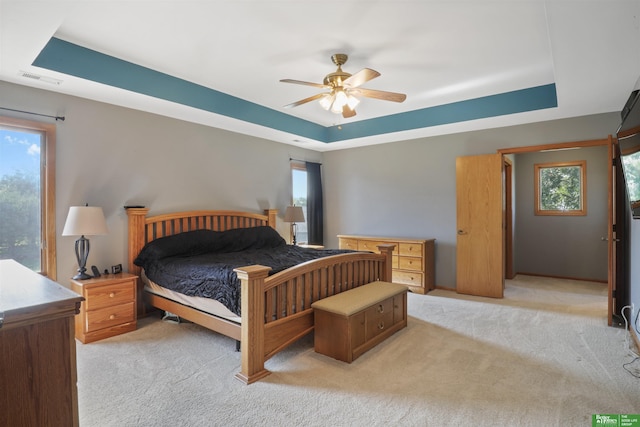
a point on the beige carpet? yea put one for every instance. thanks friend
(542, 356)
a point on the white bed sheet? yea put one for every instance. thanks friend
(207, 305)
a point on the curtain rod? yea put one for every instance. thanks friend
(298, 160)
(61, 118)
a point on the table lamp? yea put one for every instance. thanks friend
(84, 221)
(294, 214)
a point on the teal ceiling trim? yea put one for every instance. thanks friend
(68, 58)
(519, 101)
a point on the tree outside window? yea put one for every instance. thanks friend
(631, 163)
(27, 194)
(560, 188)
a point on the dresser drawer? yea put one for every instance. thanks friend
(407, 278)
(103, 296)
(351, 244)
(410, 263)
(370, 245)
(110, 316)
(410, 249)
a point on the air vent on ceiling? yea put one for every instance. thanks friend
(34, 76)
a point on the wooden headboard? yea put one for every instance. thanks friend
(143, 229)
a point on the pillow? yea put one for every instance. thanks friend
(197, 242)
(187, 243)
(240, 239)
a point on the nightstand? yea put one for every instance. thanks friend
(109, 307)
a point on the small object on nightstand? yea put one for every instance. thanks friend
(106, 271)
(96, 272)
(116, 269)
(109, 307)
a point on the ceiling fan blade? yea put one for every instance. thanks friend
(300, 82)
(304, 101)
(380, 94)
(361, 77)
(347, 112)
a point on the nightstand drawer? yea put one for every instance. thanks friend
(110, 316)
(108, 295)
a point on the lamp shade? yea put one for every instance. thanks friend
(293, 214)
(85, 221)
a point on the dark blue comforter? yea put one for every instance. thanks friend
(201, 263)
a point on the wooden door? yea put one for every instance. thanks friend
(480, 219)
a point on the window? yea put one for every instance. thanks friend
(27, 209)
(631, 163)
(299, 193)
(560, 188)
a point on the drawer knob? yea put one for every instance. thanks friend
(113, 316)
(381, 325)
(112, 294)
(380, 308)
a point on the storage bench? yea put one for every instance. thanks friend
(351, 322)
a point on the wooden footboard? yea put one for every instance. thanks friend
(276, 310)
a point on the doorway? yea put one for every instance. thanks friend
(607, 238)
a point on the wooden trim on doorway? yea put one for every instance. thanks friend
(508, 218)
(569, 145)
(554, 146)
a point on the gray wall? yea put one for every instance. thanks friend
(562, 246)
(110, 156)
(407, 189)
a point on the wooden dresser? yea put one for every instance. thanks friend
(109, 308)
(413, 259)
(38, 375)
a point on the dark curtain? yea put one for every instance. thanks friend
(315, 217)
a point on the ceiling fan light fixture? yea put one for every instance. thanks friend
(326, 101)
(341, 99)
(352, 101)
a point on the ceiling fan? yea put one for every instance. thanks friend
(343, 89)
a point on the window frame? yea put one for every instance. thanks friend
(583, 188)
(300, 166)
(47, 189)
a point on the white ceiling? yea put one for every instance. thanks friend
(437, 52)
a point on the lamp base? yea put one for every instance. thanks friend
(81, 276)
(82, 253)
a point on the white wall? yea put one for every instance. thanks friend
(110, 156)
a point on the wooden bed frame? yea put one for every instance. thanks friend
(276, 310)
